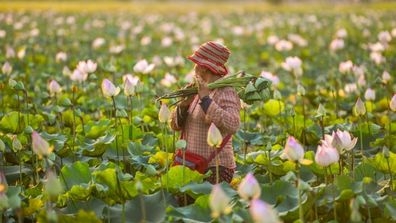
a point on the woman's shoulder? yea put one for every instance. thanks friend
(226, 91)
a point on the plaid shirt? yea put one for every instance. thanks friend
(223, 111)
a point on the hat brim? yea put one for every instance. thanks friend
(217, 69)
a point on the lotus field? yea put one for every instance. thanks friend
(85, 138)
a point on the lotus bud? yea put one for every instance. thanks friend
(392, 103)
(108, 89)
(321, 112)
(52, 185)
(2, 146)
(385, 152)
(249, 188)
(214, 138)
(40, 146)
(360, 108)
(54, 88)
(164, 113)
(219, 202)
(6, 68)
(300, 90)
(129, 87)
(16, 144)
(386, 77)
(369, 95)
(293, 149)
(262, 212)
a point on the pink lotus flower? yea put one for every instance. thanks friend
(6, 68)
(61, 57)
(369, 95)
(326, 154)
(168, 80)
(214, 137)
(78, 76)
(40, 146)
(87, 66)
(293, 150)
(293, 64)
(219, 202)
(262, 212)
(283, 45)
(342, 140)
(54, 87)
(336, 44)
(345, 67)
(386, 77)
(143, 67)
(108, 89)
(392, 103)
(249, 188)
(129, 87)
(164, 113)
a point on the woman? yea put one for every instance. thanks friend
(220, 106)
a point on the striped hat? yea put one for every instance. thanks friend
(213, 56)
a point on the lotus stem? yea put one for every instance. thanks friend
(300, 207)
(334, 201)
(166, 154)
(130, 118)
(116, 129)
(390, 174)
(217, 170)
(143, 208)
(361, 135)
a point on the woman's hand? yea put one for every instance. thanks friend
(186, 101)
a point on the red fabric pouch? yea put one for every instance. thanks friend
(192, 161)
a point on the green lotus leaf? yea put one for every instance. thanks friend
(79, 192)
(80, 216)
(179, 176)
(143, 208)
(75, 174)
(262, 83)
(107, 177)
(345, 195)
(94, 130)
(14, 200)
(390, 209)
(250, 137)
(250, 88)
(12, 122)
(191, 213)
(283, 195)
(381, 163)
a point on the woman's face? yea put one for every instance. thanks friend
(200, 71)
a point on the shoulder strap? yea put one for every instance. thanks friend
(217, 151)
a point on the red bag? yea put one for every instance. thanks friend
(195, 161)
(192, 161)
